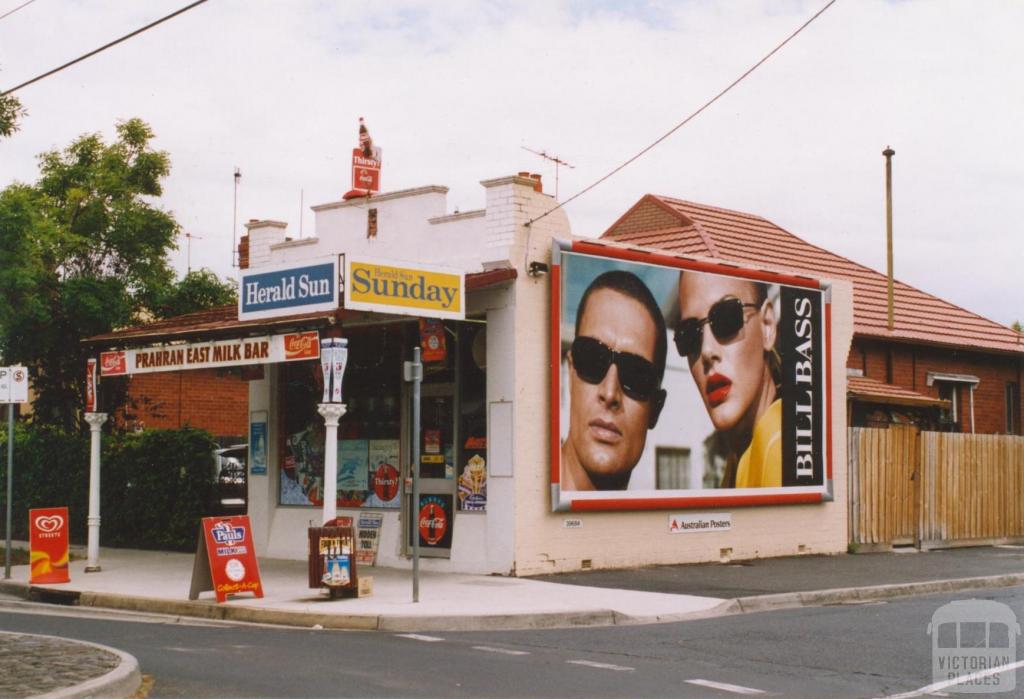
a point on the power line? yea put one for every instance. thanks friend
(104, 47)
(11, 12)
(683, 123)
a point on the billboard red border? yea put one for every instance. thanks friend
(666, 260)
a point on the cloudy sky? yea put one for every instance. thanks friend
(453, 91)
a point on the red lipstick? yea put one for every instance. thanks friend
(717, 389)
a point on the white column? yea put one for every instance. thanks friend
(95, 420)
(331, 412)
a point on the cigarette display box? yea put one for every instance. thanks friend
(332, 559)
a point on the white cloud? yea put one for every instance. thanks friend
(453, 90)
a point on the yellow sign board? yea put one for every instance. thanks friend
(374, 285)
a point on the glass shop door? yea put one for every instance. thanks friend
(432, 519)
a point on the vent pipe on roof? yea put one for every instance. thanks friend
(888, 153)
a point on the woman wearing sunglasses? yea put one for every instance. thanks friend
(727, 333)
(616, 365)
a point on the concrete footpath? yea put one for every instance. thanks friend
(158, 582)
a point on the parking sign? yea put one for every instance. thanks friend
(13, 384)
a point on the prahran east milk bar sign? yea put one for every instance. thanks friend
(392, 287)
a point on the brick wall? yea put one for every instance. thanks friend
(648, 216)
(214, 400)
(908, 366)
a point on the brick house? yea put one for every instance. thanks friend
(940, 367)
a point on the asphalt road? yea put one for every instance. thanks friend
(866, 650)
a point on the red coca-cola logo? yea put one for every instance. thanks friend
(112, 363)
(433, 523)
(385, 482)
(302, 346)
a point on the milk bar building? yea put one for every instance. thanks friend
(491, 394)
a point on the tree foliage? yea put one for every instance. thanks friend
(10, 111)
(85, 251)
(196, 291)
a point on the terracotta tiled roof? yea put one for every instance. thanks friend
(874, 391)
(213, 323)
(706, 231)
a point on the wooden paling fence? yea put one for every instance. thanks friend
(934, 488)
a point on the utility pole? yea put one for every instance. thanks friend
(888, 153)
(554, 159)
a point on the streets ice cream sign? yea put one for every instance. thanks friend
(387, 287)
(279, 290)
(289, 347)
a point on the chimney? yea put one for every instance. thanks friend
(537, 186)
(243, 252)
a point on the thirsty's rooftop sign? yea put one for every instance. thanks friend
(393, 287)
(281, 290)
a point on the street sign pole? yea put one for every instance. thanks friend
(414, 373)
(10, 487)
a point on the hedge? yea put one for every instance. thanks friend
(155, 485)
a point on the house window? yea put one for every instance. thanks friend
(950, 416)
(673, 468)
(1012, 408)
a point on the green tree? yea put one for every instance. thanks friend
(84, 252)
(196, 291)
(10, 112)
(1017, 327)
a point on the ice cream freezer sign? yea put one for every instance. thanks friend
(279, 290)
(393, 287)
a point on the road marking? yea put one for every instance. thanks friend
(506, 651)
(419, 637)
(734, 688)
(939, 686)
(602, 666)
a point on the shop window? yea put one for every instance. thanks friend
(1012, 408)
(369, 434)
(673, 468)
(472, 458)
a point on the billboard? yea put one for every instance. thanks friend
(685, 384)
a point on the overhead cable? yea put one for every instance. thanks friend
(104, 47)
(683, 123)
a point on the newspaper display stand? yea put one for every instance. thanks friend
(332, 558)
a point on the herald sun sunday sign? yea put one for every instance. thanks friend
(387, 287)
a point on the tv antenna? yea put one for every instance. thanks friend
(234, 221)
(188, 248)
(554, 159)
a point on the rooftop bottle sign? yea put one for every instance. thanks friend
(280, 290)
(366, 161)
(386, 287)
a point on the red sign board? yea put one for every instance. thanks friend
(231, 556)
(90, 386)
(365, 172)
(48, 545)
(302, 346)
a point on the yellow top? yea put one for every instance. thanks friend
(761, 464)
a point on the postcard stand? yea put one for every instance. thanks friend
(332, 560)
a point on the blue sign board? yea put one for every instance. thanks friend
(276, 291)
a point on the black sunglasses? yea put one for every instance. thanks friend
(725, 318)
(591, 359)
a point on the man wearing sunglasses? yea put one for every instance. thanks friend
(727, 332)
(616, 365)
